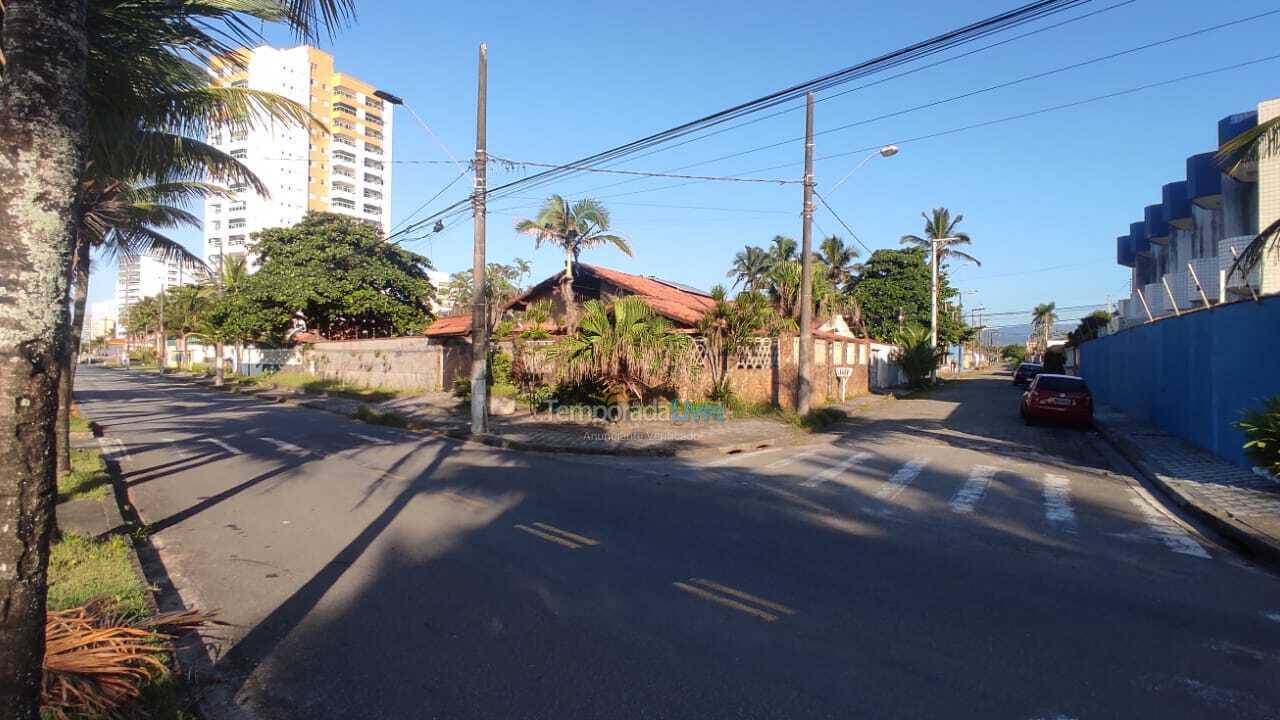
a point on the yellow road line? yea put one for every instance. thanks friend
(572, 536)
(745, 596)
(767, 617)
(549, 536)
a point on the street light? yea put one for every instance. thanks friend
(887, 151)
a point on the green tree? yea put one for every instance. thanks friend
(783, 249)
(572, 228)
(343, 278)
(624, 346)
(1043, 318)
(502, 286)
(1013, 353)
(837, 260)
(750, 268)
(730, 328)
(1090, 327)
(939, 243)
(893, 281)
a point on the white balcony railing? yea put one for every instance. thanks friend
(1156, 301)
(1207, 271)
(1226, 258)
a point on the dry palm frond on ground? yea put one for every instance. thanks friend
(97, 662)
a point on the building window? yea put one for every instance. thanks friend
(341, 91)
(372, 119)
(372, 194)
(235, 223)
(373, 102)
(371, 148)
(239, 187)
(372, 209)
(235, 240)
(371, 163)
(344, 108)
(237, 206)
(344, 156)
(344, 203)
(373, 133)
(372, 179)
(240, 154)
(215, 208)
(215, 225)
(343, 186)
(215, 242)
(339, 122)
(344, 140)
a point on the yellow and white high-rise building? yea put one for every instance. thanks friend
(347, 170)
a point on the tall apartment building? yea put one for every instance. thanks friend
(346, 171)
(144, 276)
(1183, 246)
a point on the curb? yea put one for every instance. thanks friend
(1254, 542)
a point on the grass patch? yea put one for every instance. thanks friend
(817, 420)
(79, 423)
(88, 477)
(295, 380)
(82, 569)
(390, 419)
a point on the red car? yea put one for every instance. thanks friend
(1057, 397)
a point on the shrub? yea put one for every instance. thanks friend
(500, 369)
(1013, 353)
(503, 390)
(820, 419)
(1261, 428)
(462, 387)
(916, 355)
(538, 397)
(367, 414)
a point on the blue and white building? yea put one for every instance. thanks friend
(1181, 250)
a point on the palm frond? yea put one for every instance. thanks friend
(1262, 140)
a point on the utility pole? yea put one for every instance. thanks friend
(160, 357)
(804, 379)
(479, 309)
(933, 298)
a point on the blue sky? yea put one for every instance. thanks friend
(571, 78)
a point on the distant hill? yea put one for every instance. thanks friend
(1010, 334)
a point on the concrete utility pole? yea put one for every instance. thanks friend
(479, 309)
(160, 357)
(804, 384)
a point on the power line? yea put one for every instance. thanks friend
(530, 163)
(431, 199)
(972, 93)
(841, 221)
(939, 43)
(985, 123)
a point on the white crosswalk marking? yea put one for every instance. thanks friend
(371, 439)
(777, 464)
(224, 446)
(835, 470)
(285, 446)
(113, 449)
(974, 486)
(1057, 502)
(1168, 531)
(906, 474)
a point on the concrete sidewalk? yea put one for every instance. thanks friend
(1238, 503)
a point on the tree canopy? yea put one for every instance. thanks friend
(343, 278)
(899, 279)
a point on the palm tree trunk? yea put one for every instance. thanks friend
(66, 380)
(42, 142)
(566, 293)
(219, 348)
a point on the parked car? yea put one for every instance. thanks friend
(1026, 372)
(1057, 397)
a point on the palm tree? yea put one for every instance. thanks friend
(623, 345)
(573, 228)
(837, 260)
(1042, 319)
(939, 242)
(750, 268)
(729, 329)
(782, 249)
(44, 115)
(120, 219)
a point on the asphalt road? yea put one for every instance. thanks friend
(940, 561)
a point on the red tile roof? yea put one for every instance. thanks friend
(454, 325)
(682, 306)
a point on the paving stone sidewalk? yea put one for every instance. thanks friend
(1238, 502)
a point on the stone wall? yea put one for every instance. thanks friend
(408, 363)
